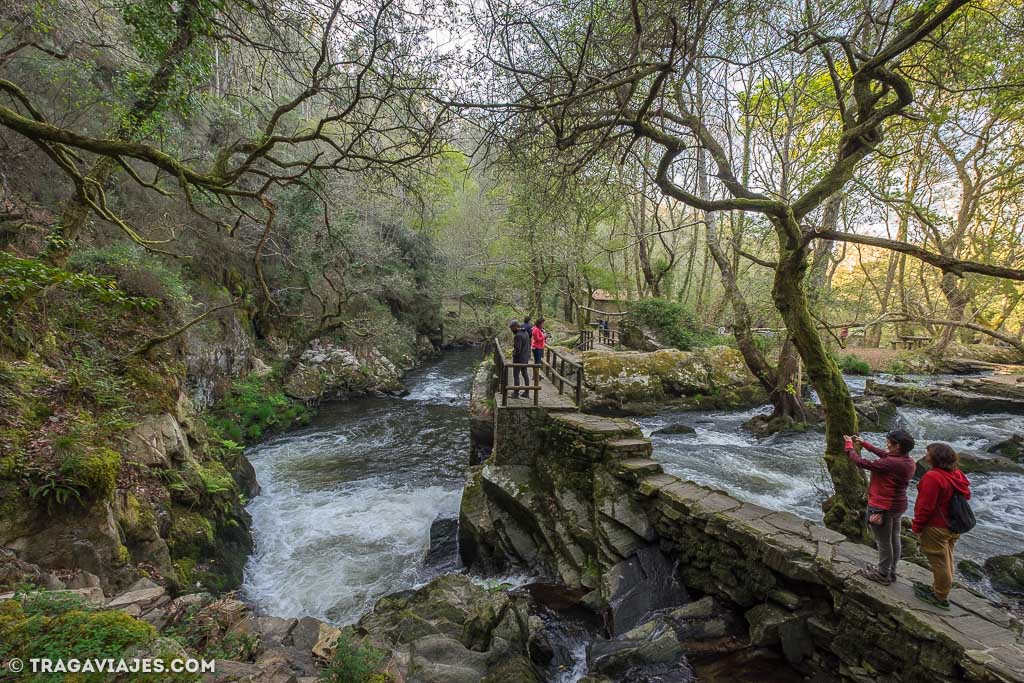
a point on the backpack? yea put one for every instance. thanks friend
(961, 516)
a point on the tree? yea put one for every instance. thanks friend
(601, 75)
(332, 88)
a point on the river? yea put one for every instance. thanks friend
(347, 503)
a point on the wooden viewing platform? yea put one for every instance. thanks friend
(555, 384)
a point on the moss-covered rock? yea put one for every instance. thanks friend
(1006, 573)
(1011, 448)
(452, 624)
(328, 372)
(95, 472)
(638, 383)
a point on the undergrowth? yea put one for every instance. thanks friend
(355, 662)
(852, 365)
(255, 407)
(670, 321)
(57, 625)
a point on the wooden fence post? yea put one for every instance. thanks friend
(579, 386)
(536, 383)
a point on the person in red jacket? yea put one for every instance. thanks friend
(887, 497)
(539, 338)
(931, 520)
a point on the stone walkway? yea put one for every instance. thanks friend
(549, 399)
(975, 640)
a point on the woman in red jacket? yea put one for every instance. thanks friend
(538, 341)
(887, 497)
(931, 520)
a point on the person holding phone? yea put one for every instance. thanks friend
(887, 496)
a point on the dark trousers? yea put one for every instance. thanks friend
(538, 356)
(887, 536)
(525, 372)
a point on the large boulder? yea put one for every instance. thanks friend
(326, 372)
(481, 413)
(452, 629)
(1011, 448)
(637, 383)
(875, 413)
(1006, 573)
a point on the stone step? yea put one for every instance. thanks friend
(629, 448)
(633, 469)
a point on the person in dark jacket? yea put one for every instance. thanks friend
(887, 497)
(528, 326)
(931, 519)
(520, 354)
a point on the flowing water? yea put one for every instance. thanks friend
(347, 503)
(785, 471)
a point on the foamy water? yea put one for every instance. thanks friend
(785, 471)
(346, 505)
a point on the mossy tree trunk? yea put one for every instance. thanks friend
(844, 511)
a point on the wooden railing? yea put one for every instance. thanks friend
(503, 367)
(563, 372)
(586, 340)
(608, 337)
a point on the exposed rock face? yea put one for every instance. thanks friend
(217, 351)
(87, 539)
(174, 514)
(443, 553)
(481, 413)
(960, 398)
(635, 383)
(158, 440)
(547, 502)
(453, 631)
(1011, 448)
(329, 372)
(875, 413)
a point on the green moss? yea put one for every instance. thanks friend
(215, 478)
(191, 534)
(95, 473)
(355, 661)
(670, 321)
(45, 625)
(255, 407)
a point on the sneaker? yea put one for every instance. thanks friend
(873, 574)
(925, 594)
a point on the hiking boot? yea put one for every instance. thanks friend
(925, 594)
(873, 574)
